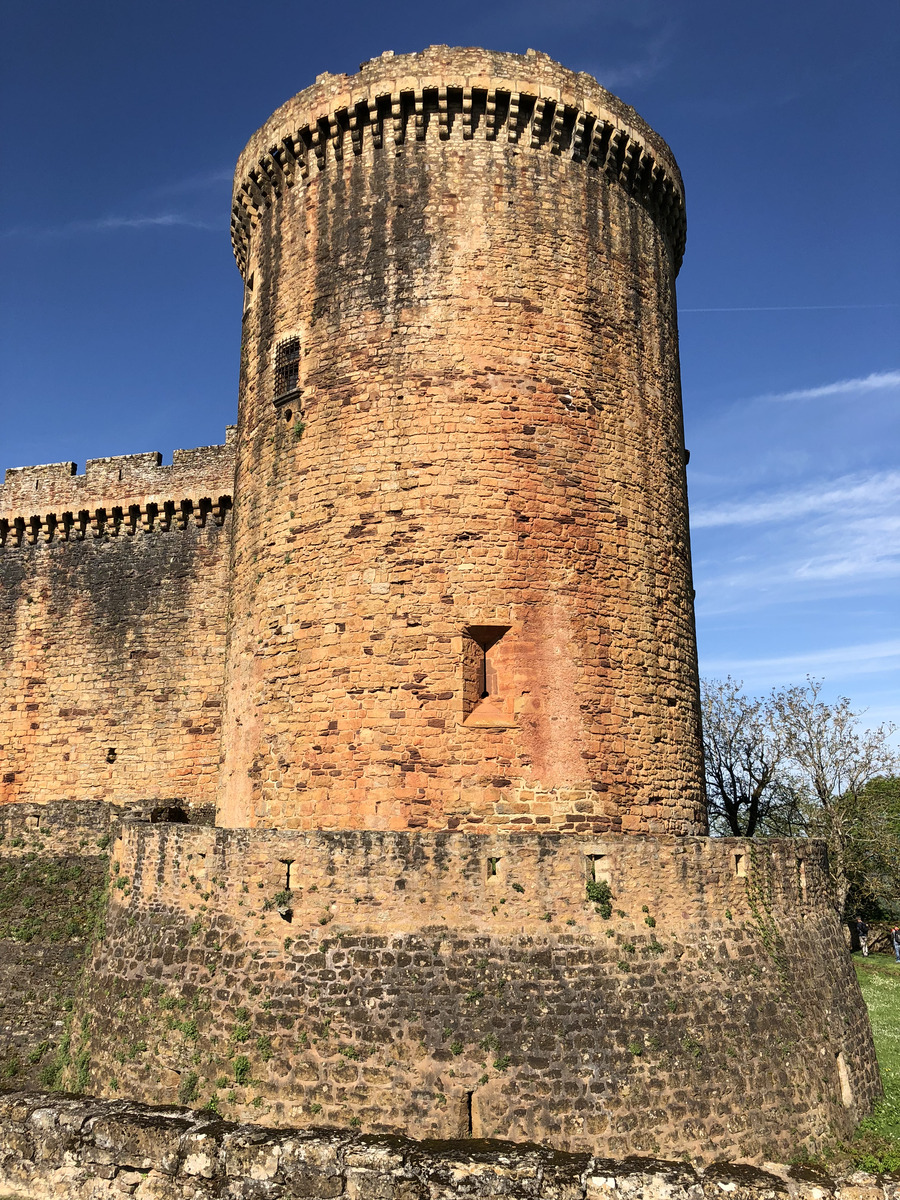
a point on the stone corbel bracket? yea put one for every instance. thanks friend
(563, 114)
(113, 521)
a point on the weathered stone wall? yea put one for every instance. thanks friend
(475, 255)
(113, 605)
(53, 871)
(60, 1148)
(447, 984)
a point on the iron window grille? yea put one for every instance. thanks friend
(287, 369)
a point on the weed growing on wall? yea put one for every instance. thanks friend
(759, 885)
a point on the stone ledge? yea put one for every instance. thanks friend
(67, 1146)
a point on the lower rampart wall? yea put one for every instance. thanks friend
(53, 871)
(460, 985)
(61, 1148)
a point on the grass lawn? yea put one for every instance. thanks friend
(877, 1142)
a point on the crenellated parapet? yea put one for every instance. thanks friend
(117, 496)
(457, 95)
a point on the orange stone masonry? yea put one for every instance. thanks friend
(470, 603)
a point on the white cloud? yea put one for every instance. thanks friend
(862, 659)
(105, 224)
(860, 493)
(877, 381)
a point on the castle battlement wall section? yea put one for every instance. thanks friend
(113, 608)
(462, 985)
(116, 495)
(456, 94)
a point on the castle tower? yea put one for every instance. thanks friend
(461, 573)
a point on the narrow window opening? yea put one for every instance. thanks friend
(596, 867)
(740, 865)
(287, 863)
(111, 755)
(287, 368)
(488, 672)
(843, 1075)
(468, 1130)
(492, 866)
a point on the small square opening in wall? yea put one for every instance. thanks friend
(493, 868)
(740, 865)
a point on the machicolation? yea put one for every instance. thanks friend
(364, 748)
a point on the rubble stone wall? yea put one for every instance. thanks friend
(62, 1148)
(53, 872)
(448, 984)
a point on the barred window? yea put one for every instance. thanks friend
(287, 368)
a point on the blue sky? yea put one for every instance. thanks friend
(121, 123)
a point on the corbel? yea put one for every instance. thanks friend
(490, 116)
(443, 114)
(512, 120)
(557, 128)
(467, 114)
(540, 106)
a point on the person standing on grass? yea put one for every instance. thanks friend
(862, 930)
(895, 942)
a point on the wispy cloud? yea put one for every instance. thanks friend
(647, 66)
(851, 492)
(844, 660)
(108, 224)
(194, 183)
(875, 382)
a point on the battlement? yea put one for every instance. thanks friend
(457, 94)
(116, 495)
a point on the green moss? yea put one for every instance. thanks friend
(46, 899)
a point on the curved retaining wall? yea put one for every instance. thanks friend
(452, 985)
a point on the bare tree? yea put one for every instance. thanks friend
(743, 751)
(835, 765)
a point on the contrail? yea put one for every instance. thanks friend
(788, 308)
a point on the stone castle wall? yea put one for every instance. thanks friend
(453, 985)
(479, 455)
(113, 606)
(53, 871)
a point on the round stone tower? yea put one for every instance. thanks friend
(461, 572)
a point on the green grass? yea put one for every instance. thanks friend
(876, 1146)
